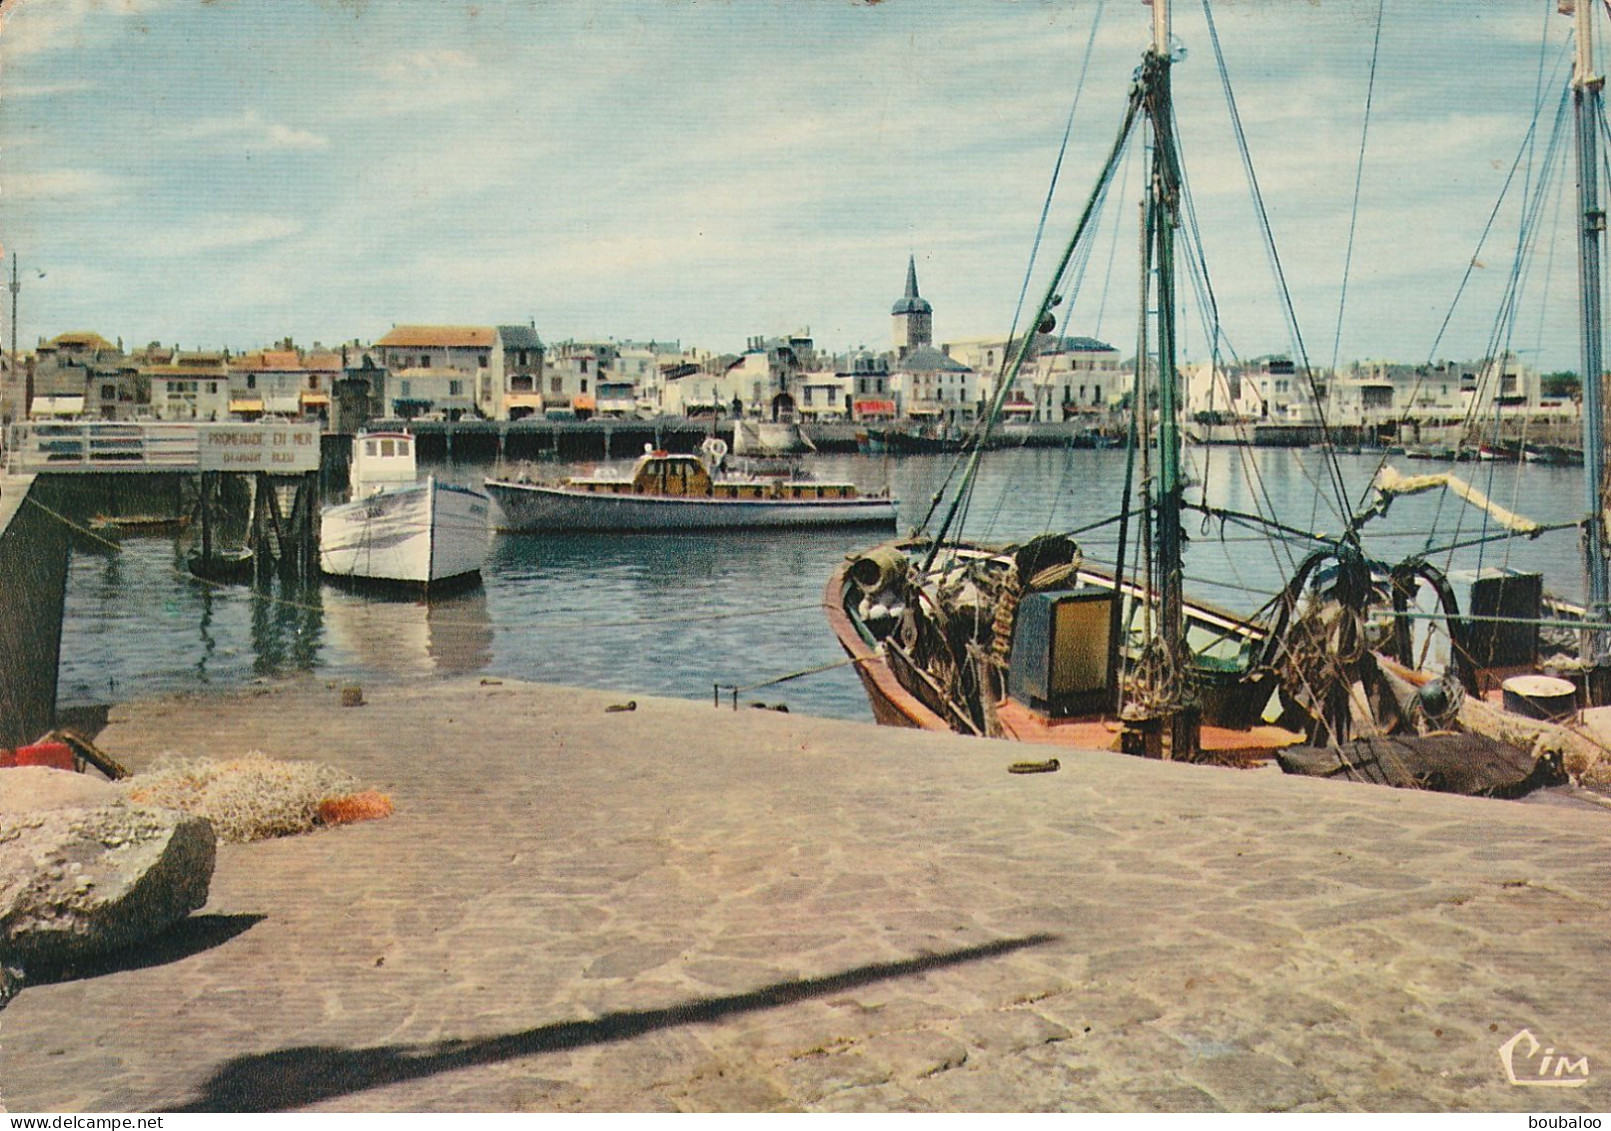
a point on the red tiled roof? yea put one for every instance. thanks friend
(323, 361)
(81, 339)
(278, 361)
(413, 337)
(281, 360)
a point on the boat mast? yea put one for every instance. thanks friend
(1587, 87)
(1164, 205)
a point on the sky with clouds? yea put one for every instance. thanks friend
(229, 172)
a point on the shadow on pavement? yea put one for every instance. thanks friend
(295, 1077)
(187, 937)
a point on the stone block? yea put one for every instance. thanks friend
(82, 881)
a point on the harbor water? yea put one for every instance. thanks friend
(674, 614)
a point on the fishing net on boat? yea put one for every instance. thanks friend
(1157, 685)
(254, 797)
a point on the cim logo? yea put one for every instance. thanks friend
(1518, 1056)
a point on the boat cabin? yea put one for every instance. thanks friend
(660, 473)
(380, 460)
(677, 476)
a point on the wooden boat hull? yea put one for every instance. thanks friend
(528, 507)
(228, 565)
(423, 534)
(892, 705)
(140, 523)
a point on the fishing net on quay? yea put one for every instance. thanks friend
(255, 797)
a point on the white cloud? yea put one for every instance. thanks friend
(219, 232)
(32, 27)
(45, 89)
(248, 130)
(59, 185)
(425, 85)
(424, 66)
(284, 137)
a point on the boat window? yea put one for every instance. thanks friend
(369, 448)
(387, 448)
(402, 447)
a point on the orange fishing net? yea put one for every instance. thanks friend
(366, 806)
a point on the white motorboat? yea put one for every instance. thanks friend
(398, 529)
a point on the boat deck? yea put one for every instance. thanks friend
(1102, 733)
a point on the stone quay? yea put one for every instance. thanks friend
(684, 908)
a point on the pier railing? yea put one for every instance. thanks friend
(121, 446)
(103, 445)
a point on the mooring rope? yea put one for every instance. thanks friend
(303, 606)
(735, 688)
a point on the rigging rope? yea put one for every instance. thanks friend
(1092, 205)
(1268, 234)
(1472, 263)
(1057, 168)
(1359, 176)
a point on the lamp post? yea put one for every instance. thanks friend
(27, 388)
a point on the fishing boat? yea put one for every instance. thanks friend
(917, 442)
(674, 491)
(397, 529)
(1049, 630)
(1036, 644)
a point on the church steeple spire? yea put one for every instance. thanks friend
(914, 317)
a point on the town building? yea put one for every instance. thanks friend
(112, 390)
(438, 370)
(274, 383)
(982, 355)
(1273, 390)
(875, 392)
(189, 386)
(1072, 377)
(825, 395)
(572, 373)
(1378, 393)
(938, 389)
(80, 374)
(512, 382)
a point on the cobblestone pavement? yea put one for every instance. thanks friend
(684, 908)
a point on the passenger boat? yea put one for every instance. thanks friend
(669, 491)
(398, 530)
(1033, 643)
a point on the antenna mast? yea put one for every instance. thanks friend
(1587, 87)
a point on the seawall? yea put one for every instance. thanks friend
(33, 584)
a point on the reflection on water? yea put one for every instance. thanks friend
(403, 636)
(285, 627)
(673, 613)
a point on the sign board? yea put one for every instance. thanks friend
(277, 447)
